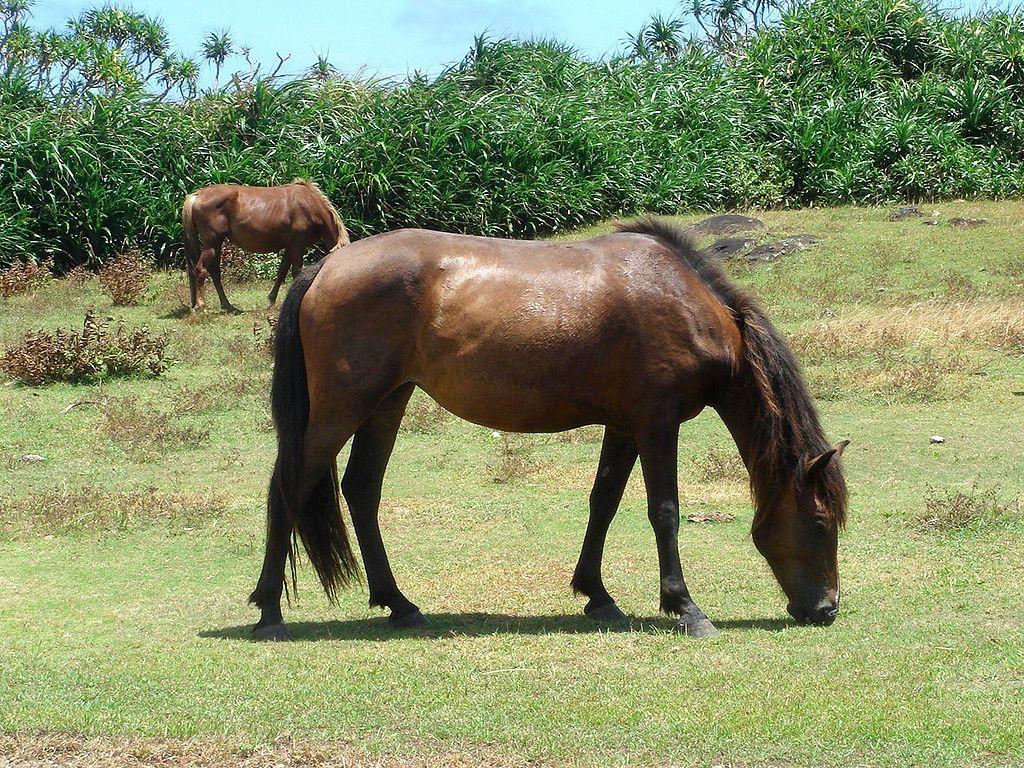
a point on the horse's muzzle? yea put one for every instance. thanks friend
(823, 614)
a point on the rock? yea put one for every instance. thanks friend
(725, 247)
(32, 458)
(906, 212)
(936, 439)
(773, 251)
(727, 224)
(930, 222)
(965, 222)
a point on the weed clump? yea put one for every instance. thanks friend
(125, 278)
(95, 353)
(970, 510)
(715, 464)
(423, 416)
(513, 458)
(145, 432)
(24, 277)
(64, 510)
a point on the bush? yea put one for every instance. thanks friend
(22, 277)
(863, 101)
(969, 510)
(125, 278)
(95, 353)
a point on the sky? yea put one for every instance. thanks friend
(379, 37)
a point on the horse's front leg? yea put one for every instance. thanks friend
(292, 257)
(618, 457)
(658, 455)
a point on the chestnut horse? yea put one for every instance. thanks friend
(636, 331)
(292, 217)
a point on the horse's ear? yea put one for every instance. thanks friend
(818, 463)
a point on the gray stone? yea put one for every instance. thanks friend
(725, 247)
(773, 251)
(727, 224)
(906, 212)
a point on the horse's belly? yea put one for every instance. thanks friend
(511, 411)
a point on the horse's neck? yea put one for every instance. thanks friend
(744, 411)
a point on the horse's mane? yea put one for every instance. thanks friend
(312, 185)
(789, 430)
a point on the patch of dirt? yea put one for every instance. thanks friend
(727, 224)
(53, 750)
(780, 248)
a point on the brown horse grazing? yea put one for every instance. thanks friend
(292, 218)
(633, 330)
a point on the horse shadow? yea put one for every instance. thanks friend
(448, 625)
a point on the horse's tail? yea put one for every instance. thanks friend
(317, 521)
(339, 235)
(191, 237)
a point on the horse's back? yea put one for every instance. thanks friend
(519, 335)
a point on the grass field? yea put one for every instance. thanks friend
(127, 554)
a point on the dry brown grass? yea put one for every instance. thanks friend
(24, 277)
(70, 510)
(125, 278)
(968, 510)
(57, 750)
(997, 325)
(145, 431)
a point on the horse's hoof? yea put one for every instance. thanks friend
(271, 633)
(608, 613)
(697, 628)
(407, 621)
(232, 311)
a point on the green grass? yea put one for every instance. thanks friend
(141, 629)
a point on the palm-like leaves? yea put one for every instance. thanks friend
(216, 48)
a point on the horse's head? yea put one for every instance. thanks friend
(800, 538)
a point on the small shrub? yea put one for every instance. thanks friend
(238, 266)
(513, 459)
(969, 510)
(715, 464)
(125, 278)
(144, 431)
(23, 277)
(95, 353)
(78, 276)
(423, 416)
(265, 334)
(63, 510)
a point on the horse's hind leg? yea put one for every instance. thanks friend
(361, 487)
(323, 441)
(618, 457)
(211, 261)
(658, 455)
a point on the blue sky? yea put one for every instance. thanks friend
(381, 37)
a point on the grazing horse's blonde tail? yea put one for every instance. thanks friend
(339, 225)
(191, 237)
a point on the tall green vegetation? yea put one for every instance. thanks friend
(812, 103)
